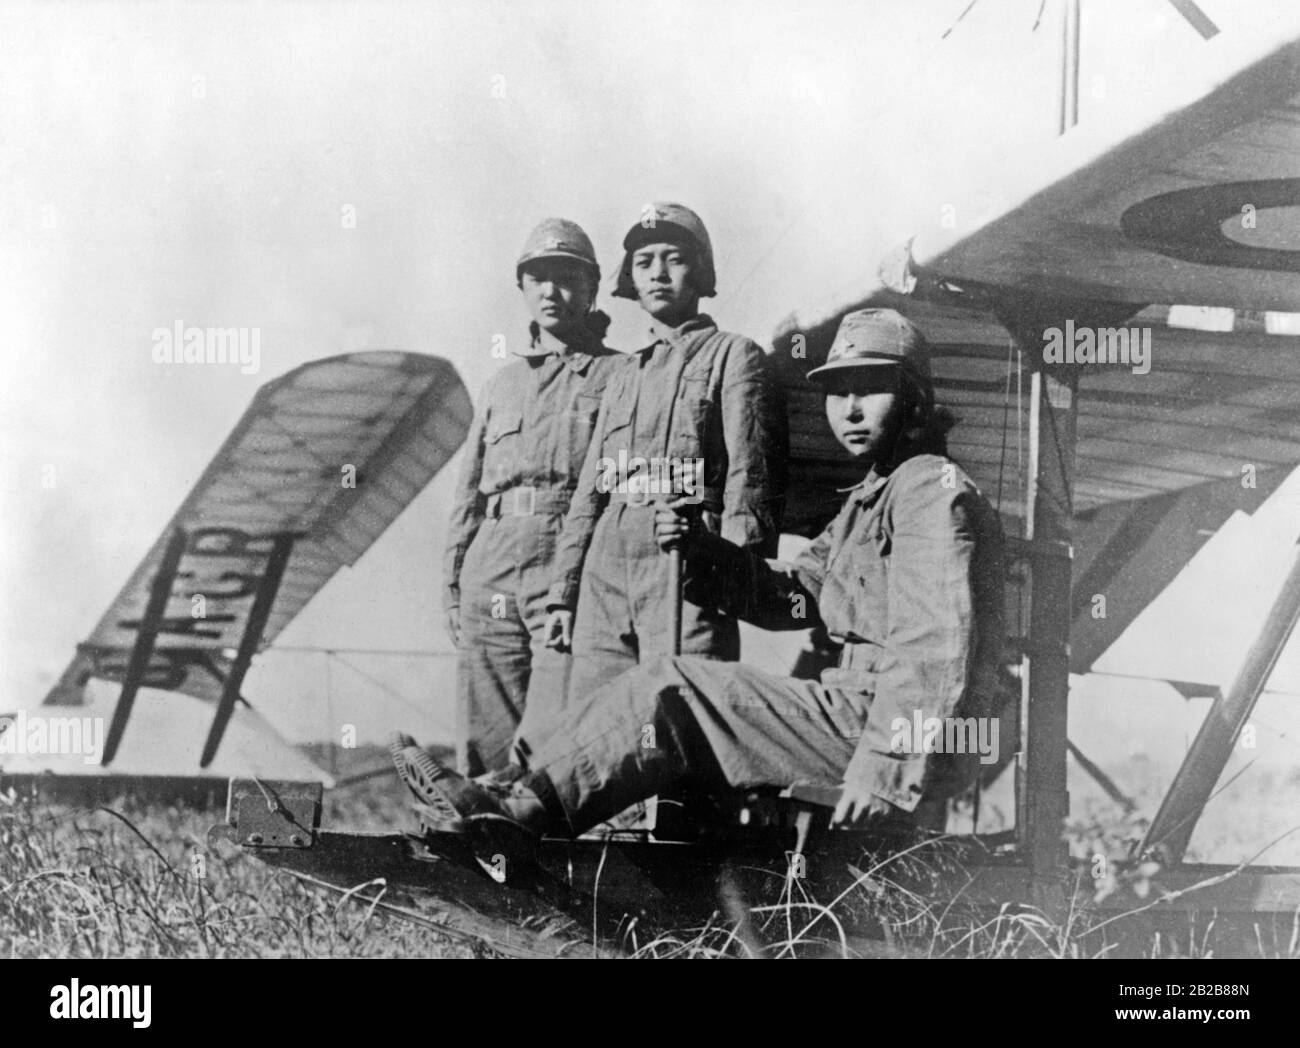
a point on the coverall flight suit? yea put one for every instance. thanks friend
(695, 393)
(908, 576)
(526, 445)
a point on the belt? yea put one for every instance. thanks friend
(855, 655)
(711, 500)
(856, 673)
(527, 501)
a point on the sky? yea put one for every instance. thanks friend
(349, 176)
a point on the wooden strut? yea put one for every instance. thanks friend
(160, 590)
(263, 601)
(1069, 113)
(1171, 829)
(1042, 800)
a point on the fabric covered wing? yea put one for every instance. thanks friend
(329, 455)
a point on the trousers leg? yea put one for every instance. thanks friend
(624, 611)
(706, 631)
(604, 641)
(546, 700)
(494, 658)
(693, 721)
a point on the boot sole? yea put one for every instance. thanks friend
(421, 772)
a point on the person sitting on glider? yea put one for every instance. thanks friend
(908, 576)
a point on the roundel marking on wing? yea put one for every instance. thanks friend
(1187, 224)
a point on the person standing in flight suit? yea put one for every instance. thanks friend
(908, 576)
(698, 403)
(527, 443)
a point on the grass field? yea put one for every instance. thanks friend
(142, 881)
(136, 880)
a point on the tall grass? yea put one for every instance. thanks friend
(134, 880)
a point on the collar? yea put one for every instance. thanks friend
(878, 474)
(577, 355)
(679, 335)
(905, 448)
(866, 487)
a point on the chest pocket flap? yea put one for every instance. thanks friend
(585, 406)
(502, 424)
(694, 408)
(876, 532)
(619, 412)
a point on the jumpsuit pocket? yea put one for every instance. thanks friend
(544, 541)
(875, 534)
(502, 424)
(582, 422)
(618, 428)
(691, 417)
(501, 451)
